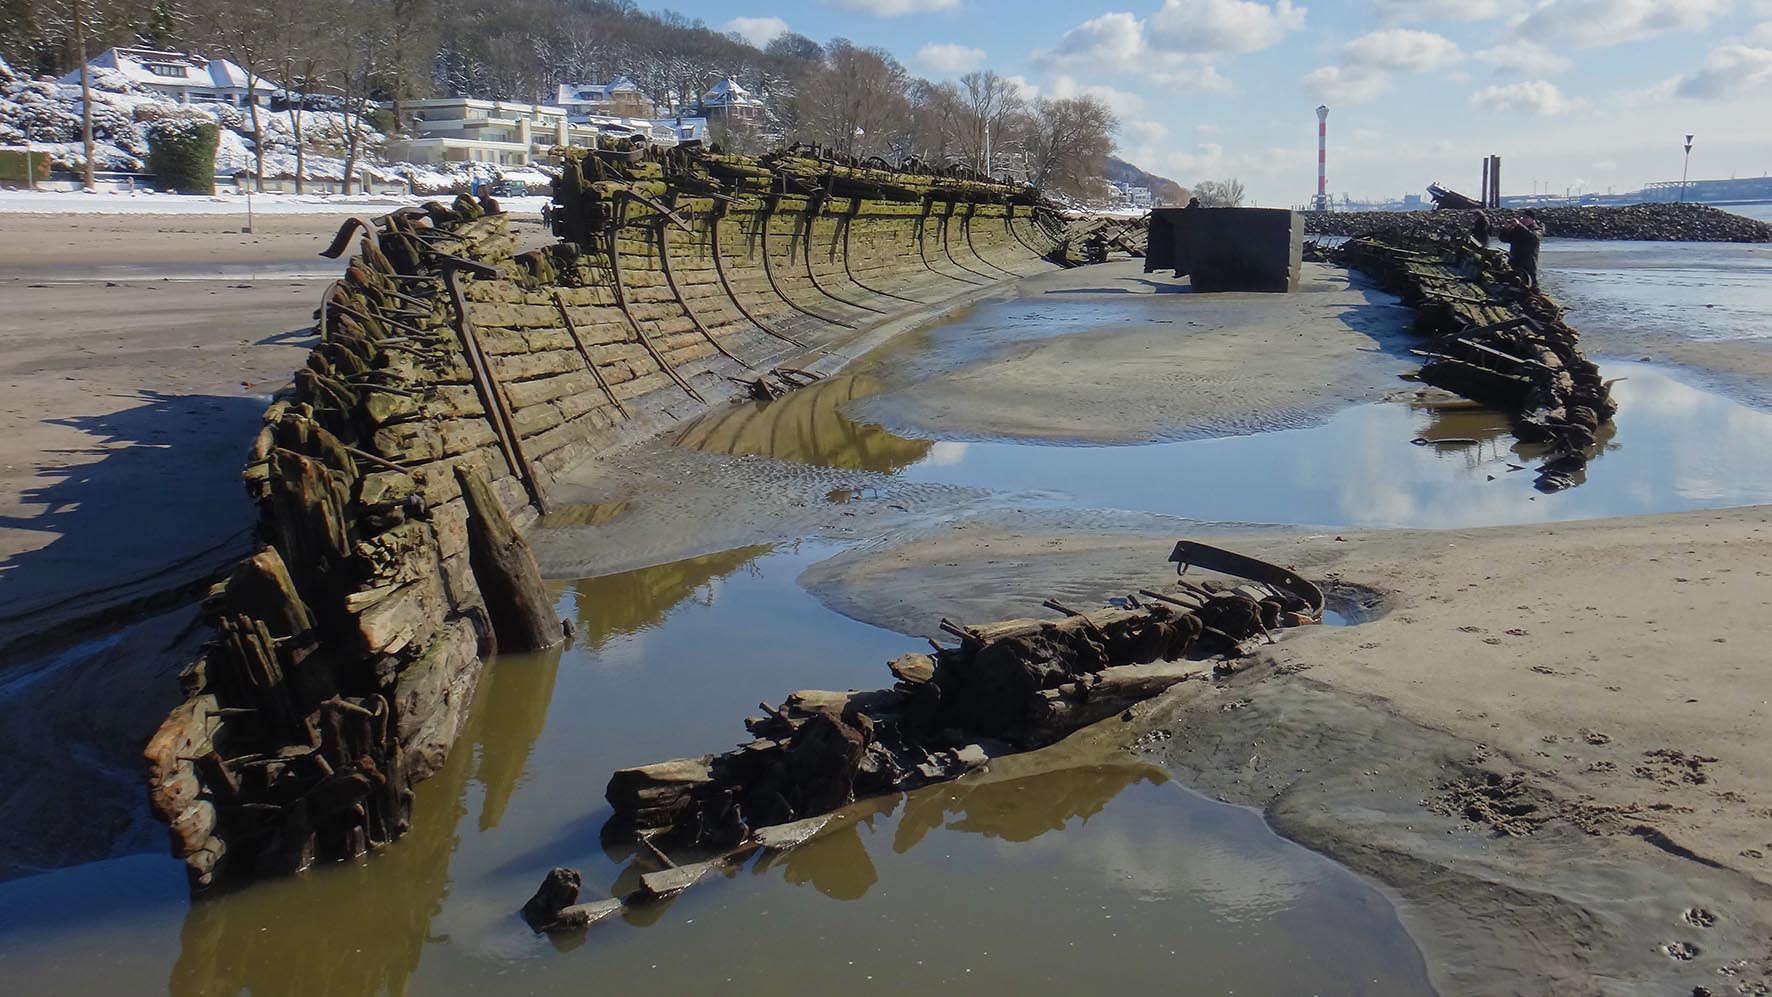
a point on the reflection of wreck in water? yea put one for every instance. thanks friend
(630, 601)
(363, 927)
(1463, 428)
(1018, 810)
(807, 427)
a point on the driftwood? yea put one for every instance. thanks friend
(1009, 686)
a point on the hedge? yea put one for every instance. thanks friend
(181, 154)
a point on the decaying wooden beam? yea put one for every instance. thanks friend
(517, 600)
(492, 396)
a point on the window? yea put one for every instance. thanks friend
(166, 69)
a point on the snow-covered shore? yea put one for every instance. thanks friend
(39, 202)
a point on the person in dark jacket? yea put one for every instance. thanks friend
(1523, 237)
(1480, 230)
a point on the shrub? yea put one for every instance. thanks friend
(181, 154)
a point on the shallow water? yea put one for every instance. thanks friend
(1058, 882)
(1674, 447)
(1046, 883)
(1705, 291)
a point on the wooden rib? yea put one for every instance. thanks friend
(664, 256)
(621, 301)
(847, 222)
(769, 271)
(492, 396)
(720, 268)
(806, 218)
(590, 365)
(949, 250)
(966, 226)
(922, 254)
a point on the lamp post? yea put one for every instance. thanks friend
(1685, 169)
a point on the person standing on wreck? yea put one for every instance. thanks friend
(1523, 237)
(1480, 230)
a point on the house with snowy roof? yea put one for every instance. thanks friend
(181, 76)
(729, 102)
(619, 98)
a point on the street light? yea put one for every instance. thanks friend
(1685, 169)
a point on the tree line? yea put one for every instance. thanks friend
(854, 100)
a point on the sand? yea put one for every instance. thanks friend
(1597, 685)
(1142, 368)
(1614, 667)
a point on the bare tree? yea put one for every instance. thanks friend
(88, 147)
(249, 32)
(849, 105)
(1066, 142)
(309, 31)
(1219, 193)
(989, 102)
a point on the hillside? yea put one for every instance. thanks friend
(1166, 190)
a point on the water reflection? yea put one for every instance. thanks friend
(362, 928)
(1673, 447)
(630, 601)
(807, 426)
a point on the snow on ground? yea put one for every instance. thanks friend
(149, 203)
(46, 114)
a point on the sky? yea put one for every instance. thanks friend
(1590, 95)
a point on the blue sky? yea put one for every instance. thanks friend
(1594, 94)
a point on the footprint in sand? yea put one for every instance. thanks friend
(1683, 951)
(1698, 917)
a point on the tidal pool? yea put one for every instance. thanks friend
(1058, 880)
(1673, 447)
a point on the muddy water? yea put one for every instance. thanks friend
(1051, 878)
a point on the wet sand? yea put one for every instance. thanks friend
(1608, 674)
(1597, 685)
(1138, 364)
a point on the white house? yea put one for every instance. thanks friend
(512, 133)
(619, 98)
(181, 76)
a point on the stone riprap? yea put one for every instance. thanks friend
(1636, 222)
(455, 380)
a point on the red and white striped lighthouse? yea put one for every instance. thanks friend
(1322, 158)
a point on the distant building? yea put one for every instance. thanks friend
(181, 76)
(512, 133)
(727, 101)
(619, 98)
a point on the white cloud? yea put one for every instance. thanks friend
(759, 31)
(1221, 27)
(1143, 134)
(1761, 34)
(1113, 38)
(1402, 49)
(1194, 78)
(1523, 58)
(1021, 86)
(947, 59)
(1606, 166)
(1205, 160)
(1609, 22)
(895, 8)
(1540, 97)
(1347, 84)
(1124, 103)
(1452, 10)
(1730, 70)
